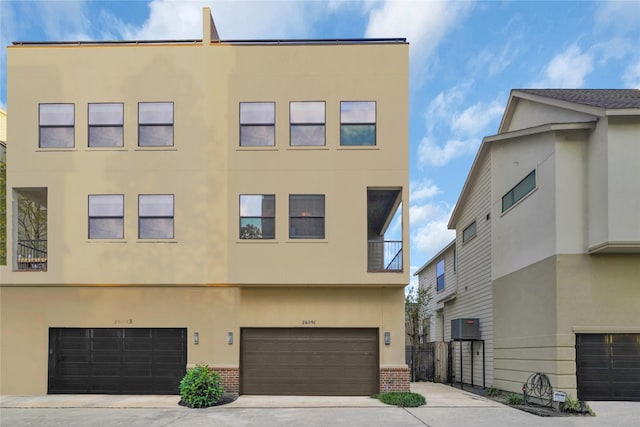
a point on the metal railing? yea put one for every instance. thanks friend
(384, 255)
(32, 255)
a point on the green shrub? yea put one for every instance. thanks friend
(492, 391)
(576, 406)
(403, 399)
(515, 399)
(201, 387)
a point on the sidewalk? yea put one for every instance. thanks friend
(437, 395)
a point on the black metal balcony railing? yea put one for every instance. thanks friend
(385, 255)
(32, 255)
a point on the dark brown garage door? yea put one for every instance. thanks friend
(309, 361)
(608, 366)
(116, 361)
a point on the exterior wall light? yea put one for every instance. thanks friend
(229, 338)
(196, 338)
(387, 338)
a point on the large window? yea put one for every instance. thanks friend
(257, 216)
(106, 125)
(257, 124)
(106, 216)
(469, 232)
(357, 123)
(155, 124)
(306, 216)
(523, 188)
(440, 275)
(307, 123)
(57, 125)
(155, 216)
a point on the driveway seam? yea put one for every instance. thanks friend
(414, 416)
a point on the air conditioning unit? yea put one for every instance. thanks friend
(465, 329)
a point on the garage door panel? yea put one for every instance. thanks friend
(116, 361)
(309, 361)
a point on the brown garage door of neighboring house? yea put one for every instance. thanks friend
(608, 366)
(116, 360)
(309, 361)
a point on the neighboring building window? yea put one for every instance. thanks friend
(155, 124)
(307, 123)
(523, 188)
(106, 125)
(440, 275)
(257, 216)
(106, 216)
(469, 232)
(455, 260)
(57, 125)
(155, 216)
(306, 216)
(357, 123)
(257, 124)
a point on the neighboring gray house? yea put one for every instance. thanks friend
(547, 250)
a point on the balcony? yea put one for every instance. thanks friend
(29, 228)
(384, 228)
(32, 255)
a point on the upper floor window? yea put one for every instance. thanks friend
(57, 125)
(306, 216)
(155, 124)
(257, 124)
(155, 216)
(106, 123)
(307, 123)
(106, 216)
(523, 188)
(469, 232)
(357, 123)
(440, 275)
(257, 216)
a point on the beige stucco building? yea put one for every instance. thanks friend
(547, 250)
(207, 201)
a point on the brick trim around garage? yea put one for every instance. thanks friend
(394, 379)
(230, 379)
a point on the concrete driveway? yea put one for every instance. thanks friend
(446, 406)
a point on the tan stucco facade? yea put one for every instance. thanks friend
(205, 278)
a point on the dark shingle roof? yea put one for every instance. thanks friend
(603, 98)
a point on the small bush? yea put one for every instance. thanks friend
(404, 399)
(515, 399)
(201, 387)
(576, 406)
(492, 391)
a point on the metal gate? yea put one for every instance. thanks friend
(429, 361)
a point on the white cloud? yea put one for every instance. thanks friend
(430, 153)
(430, 235)
(423, 190)
(631, 76)
(618, 16)
(567, 69)
(475, 119)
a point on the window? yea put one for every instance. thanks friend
(306, 216)
(440, 275)
(523, 188)
(469, 232)
(106, 216)
(106, 125)
(358, 123)
(155, 124)
(155, 216)
(57, 123)
(307, 123)
(257, 216)
(455, 260)
(257, 124)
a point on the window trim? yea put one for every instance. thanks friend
(256, 217)
(89, 125)
(438, 276)
(173, 221)
(241, 125)
(41, 126)
(172, 124)
(511, 192)
(103, 217)
(374, 124)
(475, 232)
(309, 124)
(324, 218)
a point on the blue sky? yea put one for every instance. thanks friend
(465, 57)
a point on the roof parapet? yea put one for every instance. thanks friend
(209, 30)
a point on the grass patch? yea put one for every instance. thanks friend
(404, 399)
